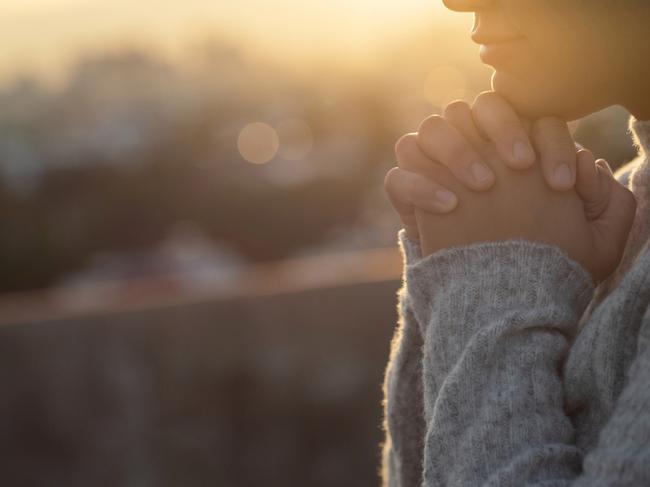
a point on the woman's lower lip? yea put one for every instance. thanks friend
(498, 53)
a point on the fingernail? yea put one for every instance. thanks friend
(480, 173)
(523, 153)
(605, 165)
(447, 198)
(562, 176)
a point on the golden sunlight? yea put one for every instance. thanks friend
(445, 84)
(42, 36)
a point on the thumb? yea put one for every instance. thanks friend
(612, 217)
(593, 183)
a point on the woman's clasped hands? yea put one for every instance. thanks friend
(481, 174)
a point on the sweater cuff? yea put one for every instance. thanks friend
(496, 276)
(410, 249)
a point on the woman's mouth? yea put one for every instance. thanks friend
(496, 53)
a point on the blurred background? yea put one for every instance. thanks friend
(197, 261)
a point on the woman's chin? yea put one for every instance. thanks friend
(533, 99)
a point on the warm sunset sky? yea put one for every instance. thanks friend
(42, 36)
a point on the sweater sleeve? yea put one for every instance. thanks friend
(622, 455)
(403, 413)
(497, 321)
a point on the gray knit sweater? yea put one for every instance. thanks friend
(507, 370)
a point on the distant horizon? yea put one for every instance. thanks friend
(42, 37)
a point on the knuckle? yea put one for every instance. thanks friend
(405, 145)
(456, 109)
(390, 180)
(431, 124)
(486, 98)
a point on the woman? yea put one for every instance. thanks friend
(509, 366)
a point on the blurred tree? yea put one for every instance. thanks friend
(132, 145)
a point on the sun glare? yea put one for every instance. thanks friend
(445, 84)
(40, 36)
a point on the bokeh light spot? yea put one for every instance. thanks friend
(296, 139)
(258, 143)
(445, 84)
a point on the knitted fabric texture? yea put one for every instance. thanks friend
(507, 370)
